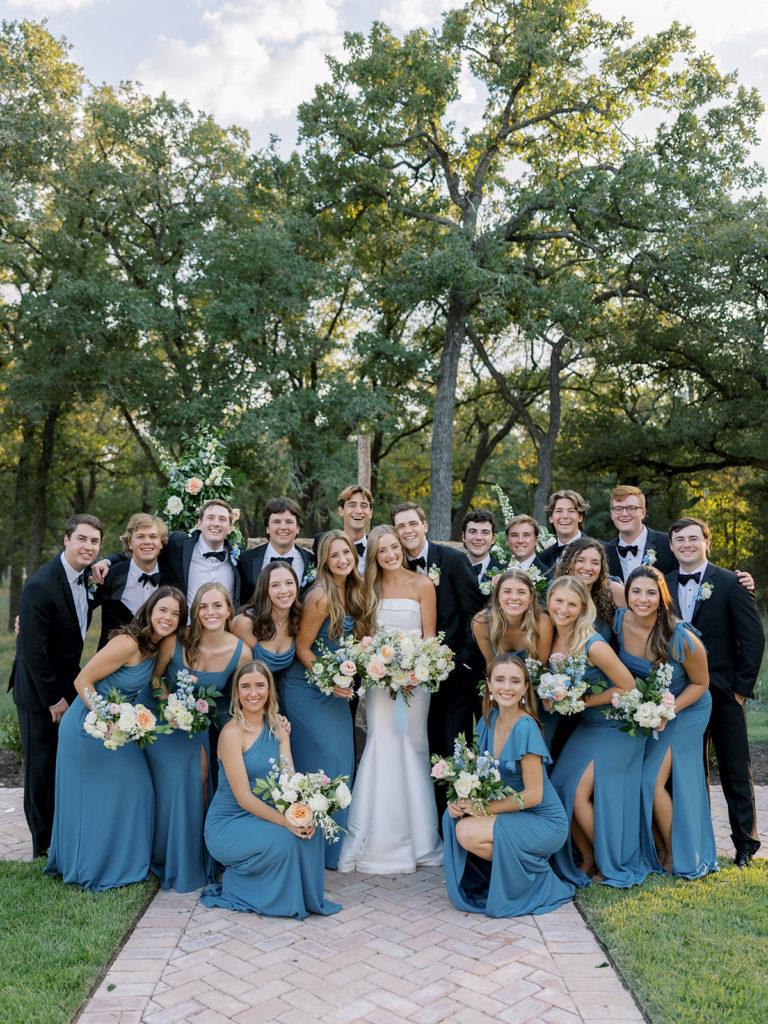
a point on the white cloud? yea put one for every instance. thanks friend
(47, 7)
(404, 15)
(254, 62)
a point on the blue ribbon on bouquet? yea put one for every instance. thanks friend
(401, 719)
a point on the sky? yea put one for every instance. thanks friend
(251, 62)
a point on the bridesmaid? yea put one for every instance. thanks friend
(102, 827)
(180, 764)
(597, 775)
(271, 867)
(513, 621)
(269, 622)
(586, 559)
(321, 725)
(675, 807)
(497, 863)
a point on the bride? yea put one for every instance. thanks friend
(393, 817)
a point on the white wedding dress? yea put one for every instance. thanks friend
(392, 819)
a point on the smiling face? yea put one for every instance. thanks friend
(566, 520)
(411, 530)
(507, 684)
(341, 558)
(514, 598)
(282, 589)
(389, 554)
(643, 597)
(690, 547)
(165, 617)
(356, 514)
(213, 608)
(215, 526)
(82, 547)
(564, 606)
(145, 544)
(282, 530)
(628, 516)
(587, 566)
(253, 692)
(522, 540)
(478, 540)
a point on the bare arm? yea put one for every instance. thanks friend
(121, 650)
(164, 655)
(697, 670)
(242, 628)
(315, 613)
(546, 637)
(480, 633)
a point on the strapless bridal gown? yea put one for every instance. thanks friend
(392, 819)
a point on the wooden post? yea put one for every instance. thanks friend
(364, 460)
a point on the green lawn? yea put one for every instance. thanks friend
(691, 952)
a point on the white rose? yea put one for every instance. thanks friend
(276, 795)
(343, 795)
(184, 719)
(127, 719)
(174, 505)
(465, 784)
(290, 796)
(318, 803)
(422, 672)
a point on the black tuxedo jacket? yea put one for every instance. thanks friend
(659, 542)
(730, 629)
(175, 559)
(50, 644)
(458, 596)
(493, 564)
(109, 598)
(251, 562)
(549, 556)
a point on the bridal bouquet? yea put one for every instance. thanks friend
(562, 688)
(334, 668)
(645, 707)
(186, 708)
(396, 660)
(116, 721)
(305, 798)
(471, 775)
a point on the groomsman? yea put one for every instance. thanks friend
(636, 544)
(282, 521)
(458, 598)
(478, 530)
(54, 614)
(522, 537)
(355, 508)
(725, 614)
(565, 511)
(130, 584)
(189, 560)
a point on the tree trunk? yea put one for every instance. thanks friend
(442, 428)
(549, 437)
(39, 522)
(20, 521)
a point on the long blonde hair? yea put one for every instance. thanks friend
(373, 571)
(270, 708)
(584, 626)
(356, 601)
(497, 626)
(195, 631)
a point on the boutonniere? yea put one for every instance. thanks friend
(705, 592)
(234, 555)
(649, 558)
(91, 588)
(434, 574)
(486, 587)
(310, 574)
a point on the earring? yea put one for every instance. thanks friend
(491, 698)
(522, 702)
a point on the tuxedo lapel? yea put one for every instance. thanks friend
(186, 555)
(708, 578)
(66, 593)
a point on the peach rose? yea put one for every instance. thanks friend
(145, 719)
(235, 514)
(299, 815)
(194, 485)
(348, 667)
(387, 652)
(366, 642)
(376, 669)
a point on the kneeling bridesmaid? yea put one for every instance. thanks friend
(497, 864)
(271, 867)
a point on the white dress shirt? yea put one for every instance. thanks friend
(630, 561)
(135, 593)
(79, 594)
(293, 557)
(208, 570)
(687, 594)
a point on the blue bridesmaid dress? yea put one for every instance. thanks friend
(179, 857)
(618, 764)
(322, 730)
(519, 879)
(694, 852)
(268, 870)
(102, 826)
(276, 663)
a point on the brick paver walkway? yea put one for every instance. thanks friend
(398, 952)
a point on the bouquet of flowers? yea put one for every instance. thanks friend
(192, 710)
(397, 660)
(199, 474)
(334, 668)
(116, 721)
(471, 775)
(645, 707)
(305, 798)
(500, 550)
(562, 688)
(539, 580)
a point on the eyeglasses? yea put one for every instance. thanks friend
(627, 508)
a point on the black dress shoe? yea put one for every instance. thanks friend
(743, 859)
(39, 853)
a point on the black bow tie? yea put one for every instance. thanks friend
(683, 578)
(280, 558)
(153, 578)
(629, 549)
(360, 548)
(478, 567)
(81, 579)
(414, 563)
(221, 555)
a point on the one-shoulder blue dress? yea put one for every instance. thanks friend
(694, 851)
(618, 765)
(519, 879)
(102, 825)
(322, 731)
(268, 870)
(181, 775)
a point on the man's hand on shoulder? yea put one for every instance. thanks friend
(746, 580)
(99, 570)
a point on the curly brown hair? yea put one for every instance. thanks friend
(601, 588)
